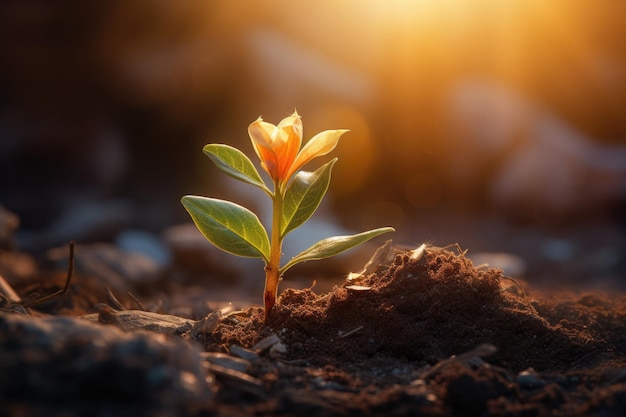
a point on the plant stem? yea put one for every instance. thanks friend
(272, 269)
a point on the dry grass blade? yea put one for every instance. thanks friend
(351, 332)
(528, 303)
(61, 292)
(132, 296)
(7, 292)
(112, 299)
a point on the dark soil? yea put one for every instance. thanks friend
(429, 334)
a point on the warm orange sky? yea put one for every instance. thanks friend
(436, 94)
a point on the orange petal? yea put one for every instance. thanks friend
(318, 145)
(262, 135)
(290, 133)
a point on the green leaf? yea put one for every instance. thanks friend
(304, 196)
(235, 163)
(332, 246)
(229, 226)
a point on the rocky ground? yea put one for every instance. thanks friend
(416, 332)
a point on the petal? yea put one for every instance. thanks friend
(318, 145)
(262, 135)
(290, 133)
(292, 127)
(294, 118)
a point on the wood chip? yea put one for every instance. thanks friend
(381, 256)
(417, 253)
(238, 380)
(266, 343)
(227, 361)
(145, 320)
(247, 354)
(358, 288)
(206, 325)
(354, 276)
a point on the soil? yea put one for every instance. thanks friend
(426, 334)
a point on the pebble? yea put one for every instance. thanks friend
(529, 379)
(278, 350)
(145, 243)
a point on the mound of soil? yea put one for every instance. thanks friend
(433, 334)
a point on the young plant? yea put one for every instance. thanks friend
(295, 196)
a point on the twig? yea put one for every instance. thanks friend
(131, 295)
(61, 292)
(351, 332)
(113, 300)
(7, 292)
(530, 306)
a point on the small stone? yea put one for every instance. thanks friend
(475, 362)
(206, 325)
(278, 350)
(529, 379)
(145, 243)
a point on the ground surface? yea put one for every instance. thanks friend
(423, 332)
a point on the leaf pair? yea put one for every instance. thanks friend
(302, 197)
(237, 230)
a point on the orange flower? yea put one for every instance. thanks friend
(278, 146)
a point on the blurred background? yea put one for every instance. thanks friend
(500, 126)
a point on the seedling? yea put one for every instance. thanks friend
(295, 196)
